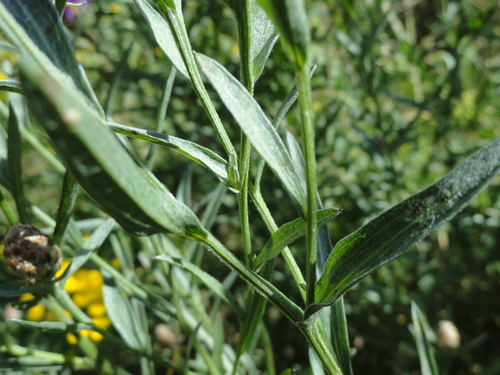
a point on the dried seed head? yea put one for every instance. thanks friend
(31, 255)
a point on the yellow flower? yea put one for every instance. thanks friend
(85, 288)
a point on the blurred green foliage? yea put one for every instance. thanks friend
(403, 92)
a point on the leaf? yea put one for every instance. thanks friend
(264, 37)
(4, 164)
(43, 326)
(163, 35)
(211, 282)
(290, 19)
(10, 86)
(15, 168)
(257, 128)
(121, 314)
(201, 155)
(36, 29)
(256, 36)
(289, 232)
(15, 289)
(396, 230)
(69, 192)
(94, 242)
(425, 350)
(98, 161)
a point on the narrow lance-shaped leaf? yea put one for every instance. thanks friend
(10, 86)
(289, 232)
(213, 284)
(256, 36)
(130, 194)
(199, 154)
(163, 35)
(122, 315)
(290, 19)
(15, 167)
(36, 28)
(420, 327)
(396, 230)
(256, 127)
(93, 243)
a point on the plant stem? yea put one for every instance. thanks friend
(180, 33)
(309, 149)
(271, 225)
(264, 287)
(316, 338)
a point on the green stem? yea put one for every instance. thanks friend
(308, 139)
(246, 149)
(316, 338)
(180, 33)
(264, 287)
(271, 225)
(245, 41)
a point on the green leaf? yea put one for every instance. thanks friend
(396, 230)
(65, 209)
(122, 315)
(211, 282)
(163, 34)
(199, 154)
(425, 350)
(15, 169)
(256, 127)
(10, 86)
(98, 161)
(43, 326)
(256, 36)
(289, 232)
(94, 242)
(15, 289)
(4, 164)
(35, 27)
(290, 19)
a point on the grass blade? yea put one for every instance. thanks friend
(396, 230)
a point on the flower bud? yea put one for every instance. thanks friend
(31, 255)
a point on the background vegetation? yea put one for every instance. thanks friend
(404, 90)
